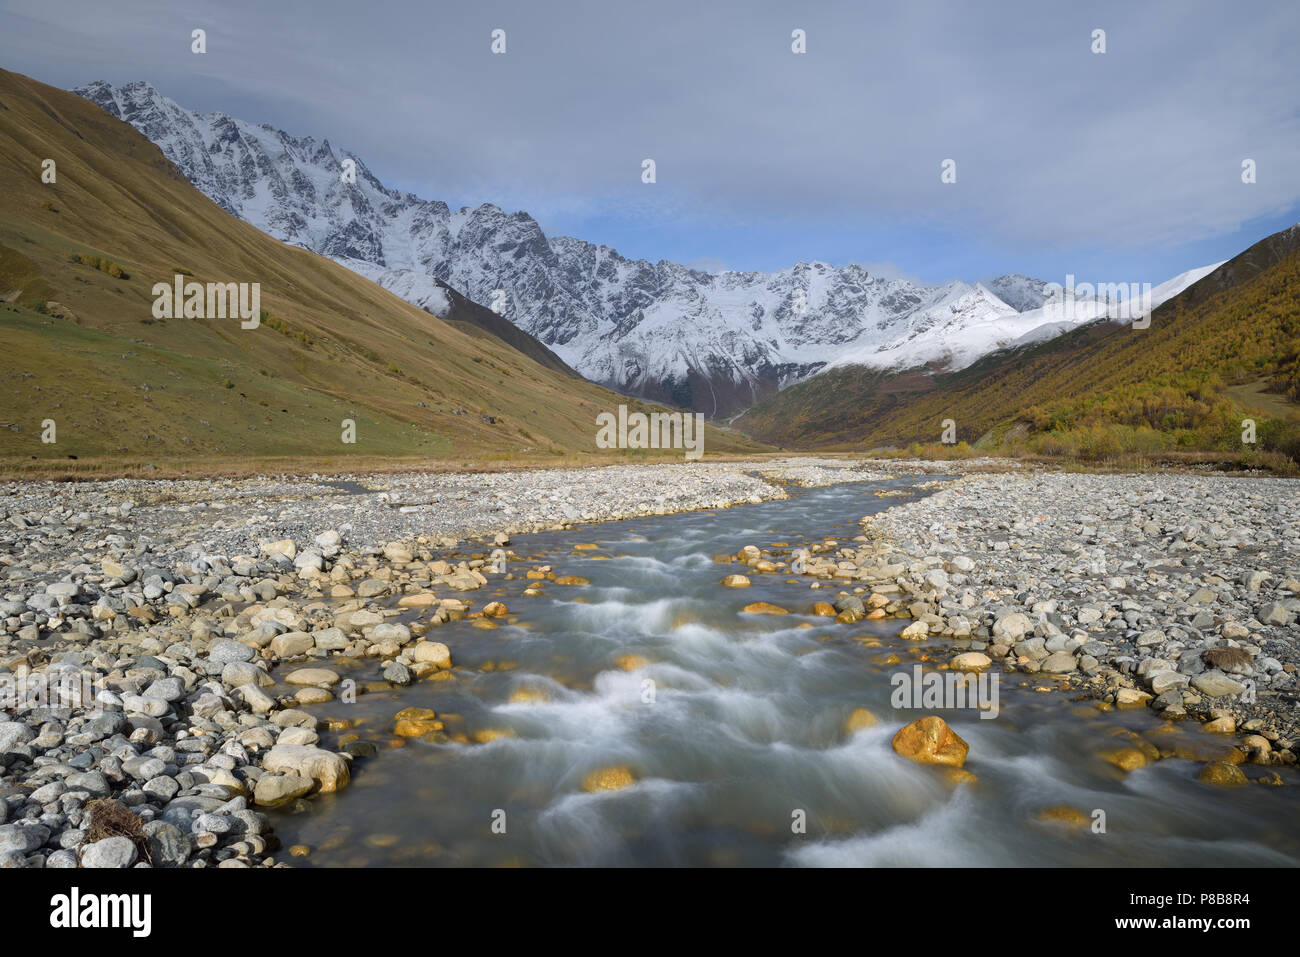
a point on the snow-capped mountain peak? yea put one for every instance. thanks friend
(713, 342)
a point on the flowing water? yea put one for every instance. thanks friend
(734, 727)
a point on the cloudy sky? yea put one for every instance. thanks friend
(1119, 166)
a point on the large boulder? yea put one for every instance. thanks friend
(433, 652)
(111, 852)
(970, 661)
(1013, 626)
(275, 789)
(929, 740)
(312, 677)
(14, 733)
(224, 652)
(1215, 684)
(329, 770)
(292, 643)
(1222, 774)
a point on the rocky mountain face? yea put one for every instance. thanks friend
(712, 342)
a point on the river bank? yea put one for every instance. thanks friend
(1173, 592)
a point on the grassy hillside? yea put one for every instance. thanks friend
(1225, 349)
(79, 258)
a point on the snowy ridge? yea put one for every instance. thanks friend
(974, 322)
(715, 343)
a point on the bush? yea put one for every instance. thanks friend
(103, 265)
(1275, 435)
(1098, 442)
(1052, 444)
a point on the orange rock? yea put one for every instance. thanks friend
(414, 729)
(859, 719)
(960, 776)
(529, 696)
(1063, 814)
(415, 714)
(1126, 759)
(1222, 774)
(765, 608)
(929, 740)
(608, 779)
(824, 609)
(413, 722)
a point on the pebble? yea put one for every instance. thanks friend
(110, 852)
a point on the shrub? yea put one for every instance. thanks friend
(1274, 435)
(1099, 442)
(103, 265)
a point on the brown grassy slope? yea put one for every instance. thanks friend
(81, 347)
(1240, 324)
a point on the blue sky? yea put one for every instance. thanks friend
(1116, 166)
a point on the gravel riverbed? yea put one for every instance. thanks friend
(1171, 592)
(150, 627)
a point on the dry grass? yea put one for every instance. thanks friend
(109, 818)
(1226, 658)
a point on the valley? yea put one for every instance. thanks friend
(652, 453)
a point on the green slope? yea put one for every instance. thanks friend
(78, 261)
